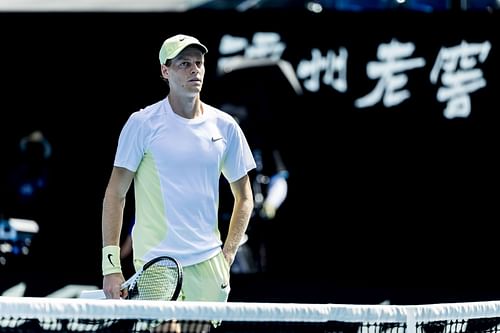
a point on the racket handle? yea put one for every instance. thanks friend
(99, 293)
(92, 294)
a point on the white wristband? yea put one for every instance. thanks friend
(111, 260)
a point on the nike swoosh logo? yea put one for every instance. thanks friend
(216, 139)
(224, 285)
(109, 258)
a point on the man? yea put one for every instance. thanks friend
(174, 151)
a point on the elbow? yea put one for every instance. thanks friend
(113, 197)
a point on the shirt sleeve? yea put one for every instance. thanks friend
(132, 143)
(239, 159)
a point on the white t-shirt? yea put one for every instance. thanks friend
(177, 164)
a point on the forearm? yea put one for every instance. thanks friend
(112, 214)
(112, 219)
(114, 204)
(238, 224)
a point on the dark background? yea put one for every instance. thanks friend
(396, 204)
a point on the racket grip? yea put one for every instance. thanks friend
(92, 294)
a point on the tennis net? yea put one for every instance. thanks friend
(27, 314)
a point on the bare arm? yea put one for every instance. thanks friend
(242, 210)
(112, 220)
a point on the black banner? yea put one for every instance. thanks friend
(387, 124)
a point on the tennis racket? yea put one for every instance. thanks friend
(159, 279)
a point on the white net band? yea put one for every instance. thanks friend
(66, 308)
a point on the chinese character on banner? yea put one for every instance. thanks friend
(265, 49)
(460, 77)
(390, 72)
(334, 66)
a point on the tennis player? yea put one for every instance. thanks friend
(174, 152)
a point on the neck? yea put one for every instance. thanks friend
(186, 107)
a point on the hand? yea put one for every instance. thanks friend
(112, 286)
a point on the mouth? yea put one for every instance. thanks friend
(195, 81)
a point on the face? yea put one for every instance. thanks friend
(186, 72)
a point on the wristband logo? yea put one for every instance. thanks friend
(110, 261)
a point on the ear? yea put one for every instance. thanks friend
(164, 72)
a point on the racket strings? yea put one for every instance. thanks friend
(159, 281)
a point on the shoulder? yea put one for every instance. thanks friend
(150, 110)
(147, 114)
(221, 116)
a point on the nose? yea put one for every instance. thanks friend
(195, 69)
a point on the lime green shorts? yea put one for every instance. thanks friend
(206, 281)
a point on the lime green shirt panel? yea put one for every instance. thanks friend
(150, 227)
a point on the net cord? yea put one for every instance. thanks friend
(67, 308)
